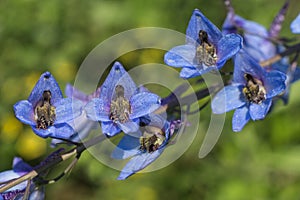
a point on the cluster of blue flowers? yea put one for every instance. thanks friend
(120, 106)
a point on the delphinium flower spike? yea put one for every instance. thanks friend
(250, 93)
(47, 111)
(206, 48)
(120, 104)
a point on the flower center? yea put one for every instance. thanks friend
(254, 90)
(206, 53)
(153, 137)
(44, 112)
(119, 106)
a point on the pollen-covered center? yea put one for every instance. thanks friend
(44, 112)
(254, 90)
(119, 107)
(153, 137)
(206, 52)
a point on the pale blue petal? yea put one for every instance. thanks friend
(24, 112)
(295, 25)
(228, 46)
(138, 163)
(187, 72)
(127, 147)
(181, 56)
(46, 82)
(9, 175)
(37, 194)
(199, 22)
(274, 83)
(245, 64)
(259, 111)
(117, 76)
(110, 128)
(229, 98)
(129, 127)
(143, 103)
(97, 110)
(240, 118)
(67, 109)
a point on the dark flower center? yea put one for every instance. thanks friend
(153, 137)
(206, 52)
(44, 112)
(119, 106)
(254, 90)
(12, 194)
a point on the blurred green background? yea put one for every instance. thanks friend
(261, 162)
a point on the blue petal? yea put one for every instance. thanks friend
(189, 73)
(46, 82)
(117, 76)
(199, 22)
(274, 83)
(240, 118)
(37, 194)
(181, 56)
(97, 110)
(61, 131)
(67, 109)
(127, 147)
(72, 92)
(143, 103)
(229, 98)
(138, 163)
(19, 166)
(254, 37)
(243, 63)
(259, 111)
(295, 25)
(229, 25)
(110, 128)
(9, 175)
(129, 127)
(228, 46)
(24, 112)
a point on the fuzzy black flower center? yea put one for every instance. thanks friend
(44, 112)
(206, 52)
(119, 107)
(254, 90)
(152, 139)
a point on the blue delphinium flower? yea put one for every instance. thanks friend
(120, 105)
(295, 25)
(145, 149)
(81, 124)
(47, 111)
(250, 93)
(206, 48)
(255, 36)
(20, 168)
(258, 44)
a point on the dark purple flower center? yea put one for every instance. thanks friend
(254, 90)
(12, 194)
(206, 52)
(120, 108)
(44, 112)
(153, 137)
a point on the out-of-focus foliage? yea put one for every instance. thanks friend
(261, 162)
